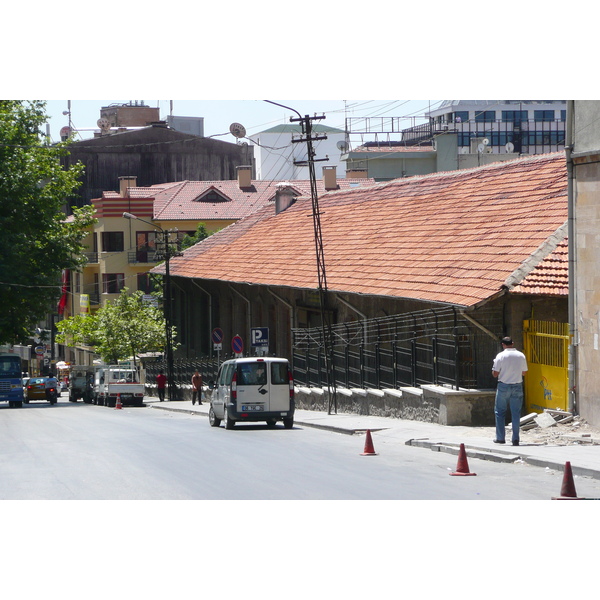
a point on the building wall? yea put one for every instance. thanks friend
(236, 308)
(279, 164)
(586, 203)
(153, 155)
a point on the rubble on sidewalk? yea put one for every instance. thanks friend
(557, 427)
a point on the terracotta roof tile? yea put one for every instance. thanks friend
(182, 200)
(451, 237)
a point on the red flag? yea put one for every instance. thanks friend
(65, 288)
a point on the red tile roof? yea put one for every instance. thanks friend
(549, 277)
(183, 200)
(454, 237)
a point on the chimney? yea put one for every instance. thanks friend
(356, 174)
(125, 183)
(244, 174)
(330, 178)
(284, 197)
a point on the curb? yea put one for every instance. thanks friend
(499, 456)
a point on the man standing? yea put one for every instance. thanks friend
(509, 367)
(161, 381)
(197, 388)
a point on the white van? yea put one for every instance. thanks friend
(253, 389)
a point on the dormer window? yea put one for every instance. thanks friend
(212, 195)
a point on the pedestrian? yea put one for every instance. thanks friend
(509, 367)
(197, 388)
(161, 382)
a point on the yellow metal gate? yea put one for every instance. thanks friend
(546, 347)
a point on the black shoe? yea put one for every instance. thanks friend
(193, 403)
(499, 442)
(515, 443)
(199, 403)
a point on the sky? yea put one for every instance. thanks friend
(254, 115)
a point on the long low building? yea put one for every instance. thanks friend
(449, 261)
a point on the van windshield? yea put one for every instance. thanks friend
(252, 374)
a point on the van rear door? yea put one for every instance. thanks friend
(253, 387)
(280, 386)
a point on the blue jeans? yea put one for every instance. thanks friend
(508, 395)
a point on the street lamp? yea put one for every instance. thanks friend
(167, 307)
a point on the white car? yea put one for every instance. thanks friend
(253, 389)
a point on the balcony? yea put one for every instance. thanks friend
(91, 257)
(142, 256)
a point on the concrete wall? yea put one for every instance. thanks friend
(586, 168)
(429, 403)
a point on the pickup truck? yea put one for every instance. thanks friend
(114, 381)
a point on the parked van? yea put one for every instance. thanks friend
(253, 389)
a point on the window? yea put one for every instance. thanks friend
(112, 241)
(112, 283)
(485, 116)
(461, 115)
(514, 116)
(145, 245)
(252, 374)
(211, 196)
(144, 283)
(279, 373)
(543, 115)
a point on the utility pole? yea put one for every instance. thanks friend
(327, 334)
(165, 251)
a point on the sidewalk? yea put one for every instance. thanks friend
(582, 452)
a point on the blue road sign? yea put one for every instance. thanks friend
(237, 344)
(260, 337)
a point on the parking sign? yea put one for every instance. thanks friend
(260, 337)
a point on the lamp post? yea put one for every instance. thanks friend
(167, 307)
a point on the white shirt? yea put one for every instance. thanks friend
(510, 364)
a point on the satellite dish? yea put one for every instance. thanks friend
(485, 141)
(509, 147)
(237, 130)
(464, 150)
(104, 124)
(342, 146)
(480, 148)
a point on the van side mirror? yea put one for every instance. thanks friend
(211, 384)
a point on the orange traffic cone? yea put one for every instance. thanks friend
(462, 468)
(369, 450)
(118, 404)
(567, 491)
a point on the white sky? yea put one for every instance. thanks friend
(255, 115)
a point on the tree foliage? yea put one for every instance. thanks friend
(200, 234)
(124, 327)
(37, 241)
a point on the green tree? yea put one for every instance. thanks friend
(124, 327)
(37, 241)
(200, 234)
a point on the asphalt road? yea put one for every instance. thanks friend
(85, 452)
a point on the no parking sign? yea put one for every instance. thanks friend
(237, 344)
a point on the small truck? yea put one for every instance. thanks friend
(113, 382)
(81, 382)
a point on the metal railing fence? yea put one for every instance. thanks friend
(428, 347)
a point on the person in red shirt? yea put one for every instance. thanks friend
(161, 382)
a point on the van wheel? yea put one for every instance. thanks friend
(271, 422)
(288, 423)
(212, 418)
(229, 423)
